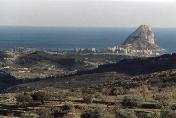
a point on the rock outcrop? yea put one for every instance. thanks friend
(142, 39)
(141, 43)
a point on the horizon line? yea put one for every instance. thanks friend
(57, 26)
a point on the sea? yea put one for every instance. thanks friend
(66, 38)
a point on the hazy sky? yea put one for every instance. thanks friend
(109, 13)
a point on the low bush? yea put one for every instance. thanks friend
(130, 102)
(105, 91)
(30, 115)
(167, 113)
(88, 99)
(173, 107)
(24, 100)
(108, 115)
(40, 96)
(125, 114)
(98, 95)
(143, 114)
(161, 97)
(92, 113)
(68, 107)
(88, 91)
(45, 113)
(58, 112)
(117, 91)
(151, 106)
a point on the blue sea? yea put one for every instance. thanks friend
(69, 38)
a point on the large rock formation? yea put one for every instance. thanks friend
(140, 43)
(142, 39)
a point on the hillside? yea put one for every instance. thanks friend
(6, 80)
(32, 58)
(3, 55)
(101, 80)
(138, 65)
(140, 96)
(145, 95)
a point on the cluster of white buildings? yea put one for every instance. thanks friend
(121, 50)
(77, 50)
(128, 50)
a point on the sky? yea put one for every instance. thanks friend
(88, 13)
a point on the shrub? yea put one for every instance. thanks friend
(87, 91)
(161, 97)
(88, 99)
(144, 114)
(92, 113)
(40, 96)
(105, 91)
(173, 107)
(24, 100)
(167, 113)
(45, 113)
(125, 114)
(151, 106)
(68, 107)
(130, 102)
(108, 115)
(30, 115)
(98, 95)
(117, 91)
